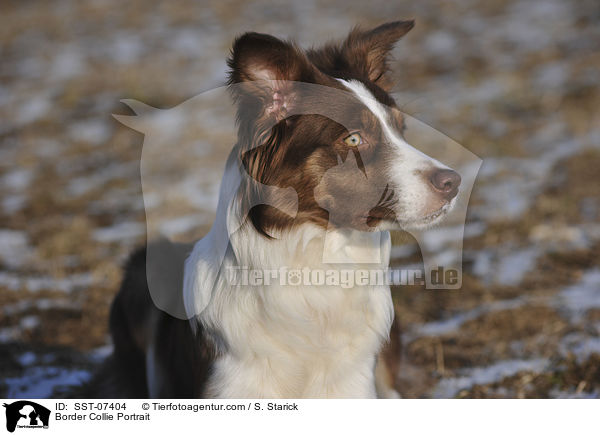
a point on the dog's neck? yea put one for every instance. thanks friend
(313, 247)
(300, 340)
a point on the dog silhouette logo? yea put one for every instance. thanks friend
(26, 414)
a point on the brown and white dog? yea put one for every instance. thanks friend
(322, 123)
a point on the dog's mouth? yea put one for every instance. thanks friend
(438, 213)
(429, 219)
(388, 215)
(378, 215)
(436, 216)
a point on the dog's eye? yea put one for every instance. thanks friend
(354, 140)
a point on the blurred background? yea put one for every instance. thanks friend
(514, 81)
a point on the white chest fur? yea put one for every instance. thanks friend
(299, 340)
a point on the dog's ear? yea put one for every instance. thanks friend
(370, 50)
(363, 54)
(263, 67)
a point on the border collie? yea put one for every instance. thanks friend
(319, 123)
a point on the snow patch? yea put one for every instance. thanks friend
(579, 298)
(40, 382)
(118, 232)
(450, 387)
(14, 248)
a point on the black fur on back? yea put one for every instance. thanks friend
(184, 357)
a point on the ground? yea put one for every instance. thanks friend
(515, 82)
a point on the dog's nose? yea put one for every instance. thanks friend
(446, 182)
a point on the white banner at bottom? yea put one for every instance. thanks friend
(47, 416)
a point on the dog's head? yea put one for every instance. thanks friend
(323, 122)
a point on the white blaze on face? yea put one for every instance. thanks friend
(411, 187)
